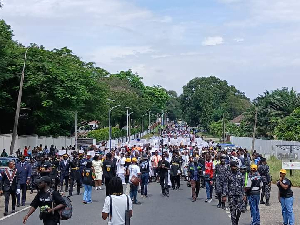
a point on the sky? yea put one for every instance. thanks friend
(253, 44)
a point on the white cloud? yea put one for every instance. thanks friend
(211, 41)
(239, 40)
(160, 56)
(108, 54)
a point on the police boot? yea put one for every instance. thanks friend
(267, 202)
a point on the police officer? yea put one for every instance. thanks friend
(34, 174)
(236, 192)
(221, 175)
(54, 175)
(264, 172)
(44, 166)
(24, 170)
(64, 166)
(75, 174)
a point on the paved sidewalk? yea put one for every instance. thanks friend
(29, 198)
(271, 215)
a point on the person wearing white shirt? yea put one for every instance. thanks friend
(121, 168)
(118, 202)
(134, 170)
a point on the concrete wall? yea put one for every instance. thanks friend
(34, 140)
(265, 147)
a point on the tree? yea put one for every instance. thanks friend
(206, 99)
(272, 107)
(173, 108)
(288, 128)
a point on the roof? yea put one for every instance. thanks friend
(238, 119)
(93, 122)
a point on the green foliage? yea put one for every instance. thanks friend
(272, 108)
(289, 127)
(103, 134)
(173, 108)
(216, 128)
(206, 99)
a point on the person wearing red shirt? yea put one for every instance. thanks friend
(25, 151)
(208, 176)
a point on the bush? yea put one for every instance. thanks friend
(103, 134)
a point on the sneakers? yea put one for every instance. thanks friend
(206, 200)
(219, 205)
(209, 200)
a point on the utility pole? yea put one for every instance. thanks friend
(76, 130)
(149, 121)
(223, 128)
(109, 124)
(254, 129)
(127, 124)
(15, 130)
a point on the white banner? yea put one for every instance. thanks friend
(291, 165)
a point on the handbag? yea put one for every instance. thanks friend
(110, 212)
(127, 213)
(135, 180)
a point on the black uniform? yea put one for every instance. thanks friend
(50, 199)
(75, 176)
(109, 172)
(34, 175)
(164, 166)
(54, 175)
(175, 172)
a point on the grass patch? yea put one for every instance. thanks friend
(276, 165)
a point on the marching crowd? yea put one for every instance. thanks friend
(233, 176)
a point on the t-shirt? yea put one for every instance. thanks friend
(45, 199)
(133, 170)
(109, 170)
(288, 192)
(119, 205)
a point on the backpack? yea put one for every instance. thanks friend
(66, 213)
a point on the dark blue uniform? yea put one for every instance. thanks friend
(64, 166)
(24, 170)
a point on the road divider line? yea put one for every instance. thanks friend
(6, 217)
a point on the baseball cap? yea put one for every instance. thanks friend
(253, 167)
(283, 171)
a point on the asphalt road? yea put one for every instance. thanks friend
(156, 209)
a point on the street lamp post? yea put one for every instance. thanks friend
(129, 126)
(149, 121)
(127, 116)
(14, 135)
(109, 113)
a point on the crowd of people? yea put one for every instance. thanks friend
(234, 177)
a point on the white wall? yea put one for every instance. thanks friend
(33, 141)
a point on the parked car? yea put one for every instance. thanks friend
(4, 162)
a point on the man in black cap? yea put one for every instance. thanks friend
(50, 203)
(264, 172)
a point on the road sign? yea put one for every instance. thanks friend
(291, 165)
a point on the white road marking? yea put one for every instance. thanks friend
(5, 217)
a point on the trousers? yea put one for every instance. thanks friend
(175, 180)
(23, 188)
(235, 205)
(254, 202)
(195, 188)
(7, 195)
(164, 183)
(287, 210)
